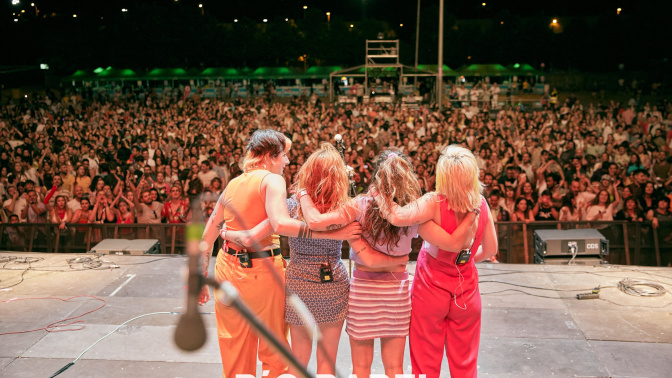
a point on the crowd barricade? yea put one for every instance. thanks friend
(630, 243)
(78, 238)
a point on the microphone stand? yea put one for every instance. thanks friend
(229, 296)
(341, 148)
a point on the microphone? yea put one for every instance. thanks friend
(338, 138)
(190, 331)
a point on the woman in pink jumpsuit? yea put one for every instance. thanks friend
(445, 300)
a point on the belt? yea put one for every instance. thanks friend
(254, 255)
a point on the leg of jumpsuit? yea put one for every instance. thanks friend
(463, 326)
(273, 314)
(237, 341)
(429, 307)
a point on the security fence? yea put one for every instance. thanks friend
(630, 243)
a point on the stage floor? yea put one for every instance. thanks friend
(525, 331)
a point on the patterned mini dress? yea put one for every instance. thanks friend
(328, 301)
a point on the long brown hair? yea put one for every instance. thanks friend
(395, 182)
(325, 178)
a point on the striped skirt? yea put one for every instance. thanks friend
(379, 305)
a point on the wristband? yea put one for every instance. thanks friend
(302, 192)
(222, 233)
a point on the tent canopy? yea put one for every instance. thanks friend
(166, 73)
(435, 68)
(316, 72)
(484, 70)
(275, 73)
(81, 75)
(523, 69)
(117, 73)
(215, 72)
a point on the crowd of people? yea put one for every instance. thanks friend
(138, 157)
(258, 169)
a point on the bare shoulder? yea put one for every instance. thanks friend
(430, 200)
(273, 179)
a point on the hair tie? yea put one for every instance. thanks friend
(391, 154)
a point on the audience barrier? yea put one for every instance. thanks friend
(630, 243)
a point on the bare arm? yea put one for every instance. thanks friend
(283, 224)
(489, 243)
(108, 213)
(459, 239)
(327, 221)
(211, 231)
(93, 213)
(420, 211)
(372, 258)
(554, 213)
(247, 238)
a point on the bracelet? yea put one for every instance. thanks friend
(302, 192)
(476, 210)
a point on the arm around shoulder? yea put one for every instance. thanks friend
(417, 212)
(489, 243)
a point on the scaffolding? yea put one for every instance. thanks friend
(382, 60)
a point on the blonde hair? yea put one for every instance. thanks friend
(264, 143)
(395, 182)
(457, 179)
(325, 178)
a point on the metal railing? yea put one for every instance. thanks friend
(630, 243)
(47, 237)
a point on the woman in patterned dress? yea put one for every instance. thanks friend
(324, 176)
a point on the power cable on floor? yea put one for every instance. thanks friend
(58, 326)
(66, 367)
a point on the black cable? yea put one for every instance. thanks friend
(16, 284)
(16, 260)
(543, 296)
(600, 274)
(625, 305)
(542, 288)
(524, 292)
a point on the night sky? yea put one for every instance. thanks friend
(385, 10)
(169, 33)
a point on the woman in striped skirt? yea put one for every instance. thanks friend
(379, 299)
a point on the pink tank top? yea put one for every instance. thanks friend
(449, 223)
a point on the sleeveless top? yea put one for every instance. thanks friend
(61, 214)
(449, 223)
(402, 248)
(244, 207)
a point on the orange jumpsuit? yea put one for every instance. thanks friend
(238, 344)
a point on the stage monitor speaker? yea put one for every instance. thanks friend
(128, 247)
(566, 243)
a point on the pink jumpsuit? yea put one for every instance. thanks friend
(446, 307)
